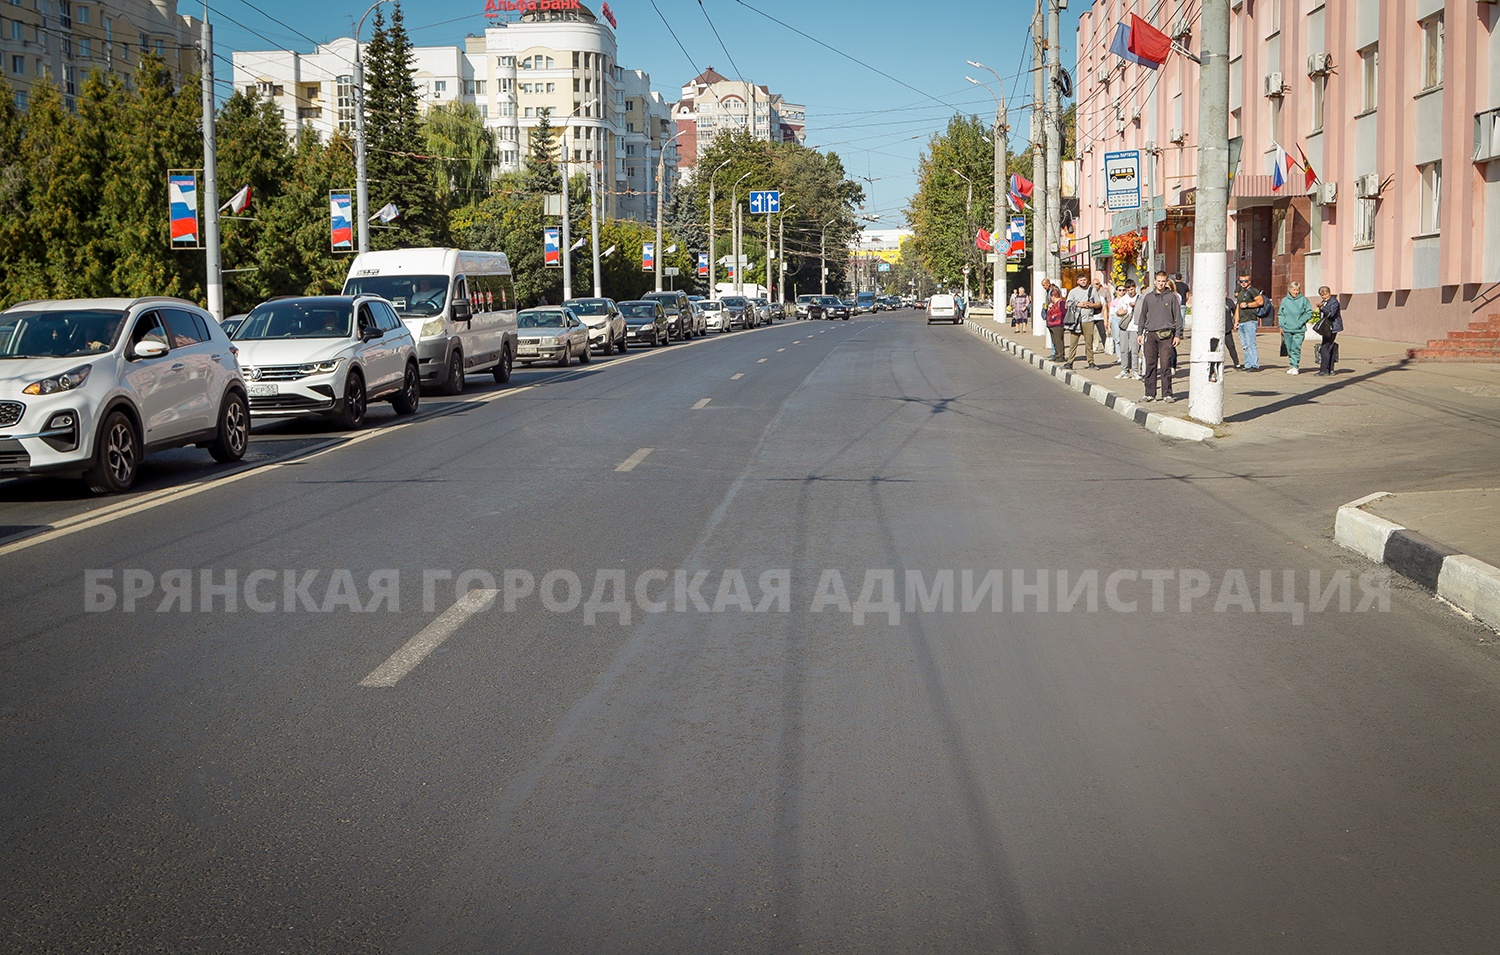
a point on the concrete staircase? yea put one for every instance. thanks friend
(1479, 342)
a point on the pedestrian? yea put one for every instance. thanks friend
(1020, 310)
(1330, 323)
(1250, 301)
(1180, 286)
(1083, 302)
(1187, 319)
(1056, 309)
(1159, 315)
(1292, 318)
(1230, 313)
(1122, 312)
(1103, 335)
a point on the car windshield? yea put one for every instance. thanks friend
(735, 302)
(588, 306)
(59, 334)
(415, 295)
(538, 319)
(828, 300)
(710, 306)
(296, 319)
(639, 309)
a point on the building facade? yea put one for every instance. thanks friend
(555, 63)
(1396, 106)
(710, 104)
(60, 41)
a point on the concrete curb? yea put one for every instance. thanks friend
(1467, 583)
(1165, 425)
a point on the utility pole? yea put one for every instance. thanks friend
(1039, 134)
(823, 260)
(1211, 217)
(1054, 139)
(361, 179)
(968, 224)
(713, 264)
(1002, 153)
(567, 239)
(594, 229)
(770, 256)
(661, 171)
(215, 274)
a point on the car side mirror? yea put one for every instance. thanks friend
(148, 348)
(369, 333)
(462, 310)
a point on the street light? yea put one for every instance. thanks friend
(781, 249)
(968, 219)
(712, 248)
(361, 182)
(739, 279)
(1002, 147)
(567, 209)
(661, 171)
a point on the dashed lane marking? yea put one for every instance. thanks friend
(701, 403)
(417, 649)
(629, 463)
(737, 377)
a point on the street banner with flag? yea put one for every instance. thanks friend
(577, 245)
(1016, 237)
(387, 213)
(551, 247)
(607, 252)
(984, 241)
(341, 221)
(1020, 191)
(1308, 176)
(182, 193)
(1281, 165)
(238, 202)
(1149, 43)
(671, 249)
(648, 256)
(1121, 46)
(703, 263)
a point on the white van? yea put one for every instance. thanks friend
(942, 308)
(460, 307)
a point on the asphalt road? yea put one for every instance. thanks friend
(764, 756)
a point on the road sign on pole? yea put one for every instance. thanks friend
(765, 202)
(1122, 179)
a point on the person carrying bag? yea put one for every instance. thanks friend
(1330, 323)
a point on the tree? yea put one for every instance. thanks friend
(393, 129)
(542, 175)
(254, 152)
(464, 152)
(955, 193)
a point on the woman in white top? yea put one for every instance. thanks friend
(1122, 322)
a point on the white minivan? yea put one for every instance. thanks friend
(460, 307)
(942, 308)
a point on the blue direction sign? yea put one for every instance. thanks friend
(765, 201)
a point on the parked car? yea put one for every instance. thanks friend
(942, 308)
(804, 302)
(865, 302)
(762, 310)
(778, 312)
(88, 387)
(328, 356)
(681, 321)
(606, 324)
(830, 307)
(231, 323)
(552, 333)
(741, 314)
(645, 321)
(714, 316)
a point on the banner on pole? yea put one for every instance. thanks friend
(341, 221)
(1016, 237)
(552, 247)
(648, 256)
(182, 195)
(703, 264)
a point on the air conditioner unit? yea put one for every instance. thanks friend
(1183, 28)
(1120, 126)
(1104, 74)
(1176, 135)
(1319, 63)
(1150, 147)
(1367, 186)
(1135, 117)
(1328, 193)
(1274, 84)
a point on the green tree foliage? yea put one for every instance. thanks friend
(943, 213)
(398, 171)
(464, 152)
(542, 173)
(254, 152)
(293, 254)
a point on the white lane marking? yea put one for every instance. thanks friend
(737, 377)
(417, 649)
(701, 403)
(759, 360)
(781, 349)
(629, 463)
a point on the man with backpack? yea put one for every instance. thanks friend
(1253, 306)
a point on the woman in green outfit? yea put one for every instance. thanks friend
(1295, 312)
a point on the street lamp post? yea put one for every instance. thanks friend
(661, 171)
(567, 209)
(968, 221)
(712, 243)
(361, 181)
(736, 248)
(1002, 148)
(781, 249)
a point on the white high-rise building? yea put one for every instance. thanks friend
(710, 104)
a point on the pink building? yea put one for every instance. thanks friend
(1396, 104)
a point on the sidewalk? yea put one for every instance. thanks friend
(1377, 398)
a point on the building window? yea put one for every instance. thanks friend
(17, 30)
(507, 86)
(160, 47)
(1319, 94)
(552, 87)
(440, 86)
(479, 86)
(528, 113)
(65, 14)
(83, 14)
(1369, 70)
(18, 65)
(1432, 197)
(85, 48)
(1315, 228)
(484, 111)
(1364, 223)
(344, 96)
(1432, 52)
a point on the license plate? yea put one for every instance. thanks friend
(526, 350)
(262, 391)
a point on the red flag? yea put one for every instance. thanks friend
(1147, 42)
(984, 240)
(1309, 177)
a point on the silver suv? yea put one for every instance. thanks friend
(88, 387)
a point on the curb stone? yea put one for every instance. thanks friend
(1165, 425)
(1466, 582)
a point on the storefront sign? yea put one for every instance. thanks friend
(493, 8)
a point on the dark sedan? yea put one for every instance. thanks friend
(645, 322)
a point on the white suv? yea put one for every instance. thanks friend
(328, 355)
(88, 387)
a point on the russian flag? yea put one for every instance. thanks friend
(182, 193)
(341, 220)
(1281, 166)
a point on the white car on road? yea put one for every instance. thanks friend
(328, 355)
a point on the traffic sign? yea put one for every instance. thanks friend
(670, 270)
(765, 201)
(1122, 179)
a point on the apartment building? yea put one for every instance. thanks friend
(1396, 106)
(60, 41)
(558, 63)
(710, 104)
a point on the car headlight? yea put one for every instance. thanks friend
(67, 381)
(432, 327)
(319, 367)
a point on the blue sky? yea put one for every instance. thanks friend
(878, 124)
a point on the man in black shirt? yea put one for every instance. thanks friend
(1159, 316)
